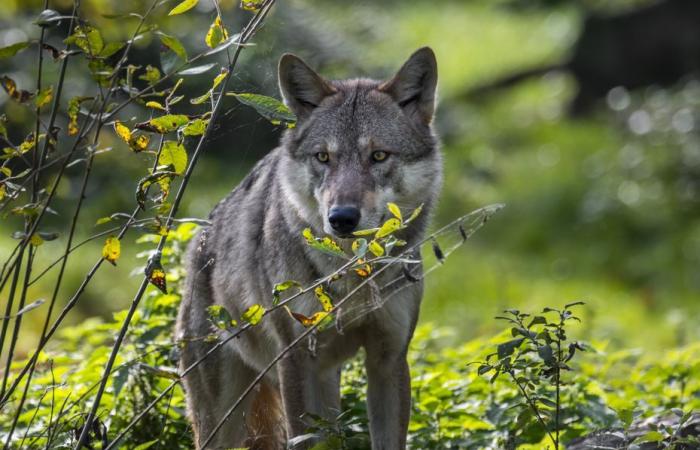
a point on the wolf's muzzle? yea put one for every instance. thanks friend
(344, 219)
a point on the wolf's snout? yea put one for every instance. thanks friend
(344, 219)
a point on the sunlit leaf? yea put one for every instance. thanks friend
(156, 274)
(183, 7)
(196, 70)
(281, 287)
(251, 5)
(111, 250)
(173, 44)
(18, 95)
(376, 248)
(137, 142)
(359, 247)
(362, 268)
(389, 227)
(145, 183)
(44, 97)
(308, 321)
(87, 38)
(73, 110)
(254, 314)
(221, 317)
(164, 124)
(122, 131)
(270, 108)
(151, 76)
(416, 212)
(395, 210)
(11, 50)
(155, 105)
(366, 232)
(325, 244)
(195, 127)
(173, 154)
(323, 298)
(217, 33)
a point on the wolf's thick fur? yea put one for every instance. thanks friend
(254, 242)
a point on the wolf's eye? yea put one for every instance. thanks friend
(379, 156)
(322, 157)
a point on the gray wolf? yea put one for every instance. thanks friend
(358, 144)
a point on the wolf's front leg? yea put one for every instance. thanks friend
(388, 399)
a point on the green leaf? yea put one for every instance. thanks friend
(173, 154)
(196, 70)
(376, 248)
(254, 314)
(270, 108)
(164, 124)
(220, 317)
(183, 7)
(12, 50)
(507, 348)
(281, 287)
(173, 44)
(88, 39)
(325, 244)
(146, 445)
(416, 212)
(44, 97)
(152, 75)
(196, 127)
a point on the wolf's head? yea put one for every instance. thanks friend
(360, 143)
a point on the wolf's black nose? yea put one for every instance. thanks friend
(344, 219)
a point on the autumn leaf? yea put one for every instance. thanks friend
(73, 110)
(323, 298)
(183, 7)
(251, 5)
(137, 142)
(18, 95)
(156, 274)
(308, 321)
(217, 33)
(359, 247)
(362, 268)
(389, 227)
(254, 314)
(376, 248)
(111, 250)
(326, 244)
(36, 240)
(155, 105)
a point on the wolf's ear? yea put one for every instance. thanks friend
(301, 87)
(413, 87)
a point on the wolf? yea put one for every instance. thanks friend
(357, 145)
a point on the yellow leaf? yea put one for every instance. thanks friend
(111, 250)
(376, 248)
(36, 240)
(323, 298)
(366, 232)
(3, 191)
(155, 105)
(217, 33)
(183, 7)
(388, 228)
(122, 131)
(173, 154)
(139, 143)
(363, 269)
(254, 314)
(393, 207)
(251, 5)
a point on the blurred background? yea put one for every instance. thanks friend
(581, 116)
